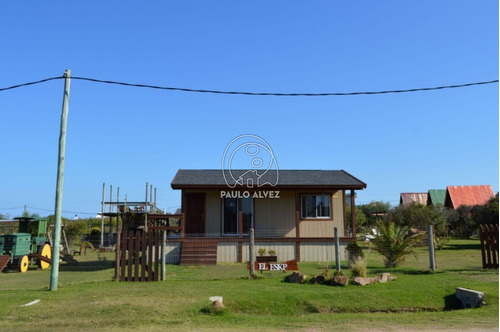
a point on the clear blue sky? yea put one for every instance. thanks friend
(125, 136)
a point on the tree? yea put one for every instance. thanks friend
(372, 211)
(394, 243)
(359, 216)
(75, 229)
(465, 220)
(418, 215)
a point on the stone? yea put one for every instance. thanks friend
(217, 305)
(365, 281)
(297, 277)
(385, 277)
(469, 298)
(340, 281)
(216, 298)
(318, 280)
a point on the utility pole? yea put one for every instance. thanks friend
(54, 276)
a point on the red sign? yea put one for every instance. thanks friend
(285, 266)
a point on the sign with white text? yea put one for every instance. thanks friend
(285, 266)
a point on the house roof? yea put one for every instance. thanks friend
(436, 196)
(407, 198)
(468, 195)
(334, 179)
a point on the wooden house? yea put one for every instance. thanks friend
(294, 216)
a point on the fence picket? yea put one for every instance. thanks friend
(488, 235)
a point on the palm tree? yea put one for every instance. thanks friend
(394, 243)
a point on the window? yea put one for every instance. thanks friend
(230, 218)
(316, 206)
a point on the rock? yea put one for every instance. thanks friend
(469, 298)
(365, 281)
(340, 281)
(385, 277)
(297, 277)
(216, 298)
(217, 305)
(318, 280)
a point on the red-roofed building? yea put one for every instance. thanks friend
(467, 195)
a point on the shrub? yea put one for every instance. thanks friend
(354, 251)
(261, 251)
(394, 243)
(95, 231)
(75, 230)
(358, 267)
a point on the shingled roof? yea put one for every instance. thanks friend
(467, 195)
(334, 179)
(407, 198)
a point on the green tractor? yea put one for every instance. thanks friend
(30, 242)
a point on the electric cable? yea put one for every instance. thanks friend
(321, 94)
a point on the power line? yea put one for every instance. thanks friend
(254, 93)
(30, 83)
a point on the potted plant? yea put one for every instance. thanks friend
(271, 258)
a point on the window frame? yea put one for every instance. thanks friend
(330, 200)
(239, 205)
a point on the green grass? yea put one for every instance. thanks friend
(417, 299)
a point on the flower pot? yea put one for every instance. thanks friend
(267, 259)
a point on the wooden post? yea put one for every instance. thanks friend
(353, 214)
(110, 221)
(54, 275)
(150, 198)
(117, 209)
(117, 256)
(337, 249)
(146, 210)
(102, 213)
(163, 258)
(251, 251)
(432, 257)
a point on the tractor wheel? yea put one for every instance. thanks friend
(23, 263)
(45, 251)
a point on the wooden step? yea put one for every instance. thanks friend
(198, 252)
(4, 260)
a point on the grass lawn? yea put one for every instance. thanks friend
(88, 299)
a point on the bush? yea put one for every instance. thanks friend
(75, 230)
(95, 231)
(358, 267)
(354, 251)
(394, 243)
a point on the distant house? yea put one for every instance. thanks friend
(407, 198)
(295, 217)
(467, 195)
(436, 197)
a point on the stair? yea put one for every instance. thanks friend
(4, 260)
(198, 252)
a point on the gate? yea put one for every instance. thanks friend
(489, 245)
(139, 256)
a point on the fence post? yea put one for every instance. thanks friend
(251, 251)
(432, 257)
(337, 250)
(117, 256)
(163, 252)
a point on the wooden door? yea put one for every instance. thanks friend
(195, 214)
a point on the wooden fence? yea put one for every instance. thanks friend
(139, 256)
(489, 245)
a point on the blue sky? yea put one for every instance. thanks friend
(124, 136)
